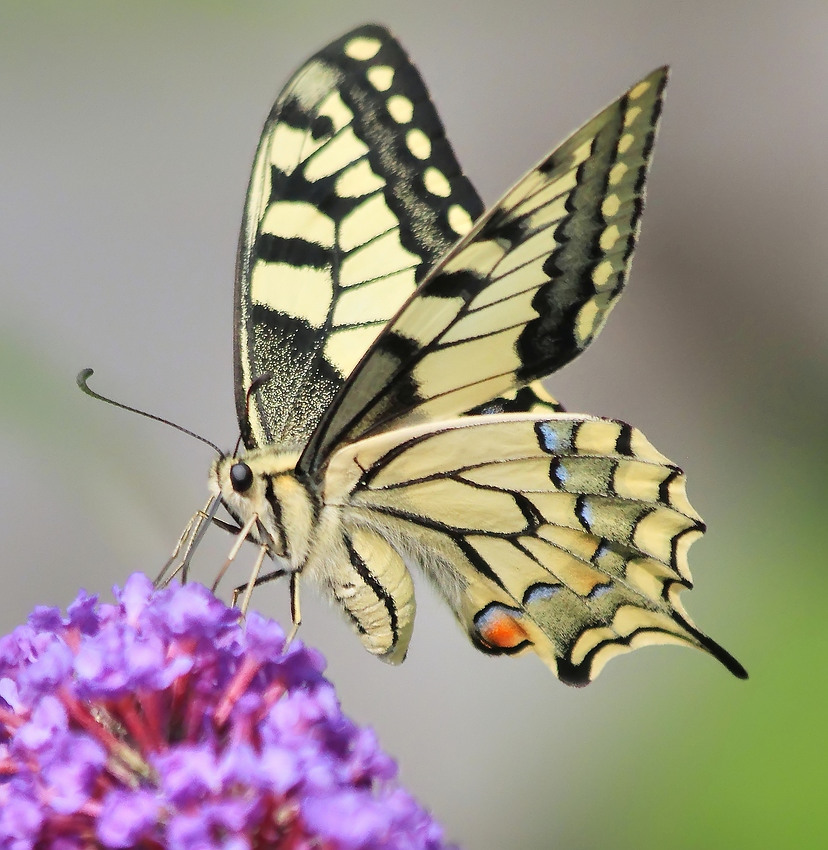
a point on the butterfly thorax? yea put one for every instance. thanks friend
(262, 485)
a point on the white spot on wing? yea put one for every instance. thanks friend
(631, 114)
(585, 322)
(362, 48)
(625, 142)
(436, 182)
(381, 77)
(459, 220)
(610, 206)
(609, 237)
(637, 91)
(400, 108)
(602, 274)
(418, 143)
(617, 173)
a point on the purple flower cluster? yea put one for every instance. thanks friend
(161, 722)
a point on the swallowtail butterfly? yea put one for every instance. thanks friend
(404, 330)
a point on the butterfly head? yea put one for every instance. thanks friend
(261, 485)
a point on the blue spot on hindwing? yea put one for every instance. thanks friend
(585, 512)
(600, 590)
(558, 473)
(551, 439)
(602, 551)
(540, 592)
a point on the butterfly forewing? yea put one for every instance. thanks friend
(522, 294)
(567, 535)
(355, 194)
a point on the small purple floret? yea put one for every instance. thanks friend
(126, 816)
(161, 722)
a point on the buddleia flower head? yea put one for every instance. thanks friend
(161, 722)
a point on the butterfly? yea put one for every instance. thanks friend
(390, 335)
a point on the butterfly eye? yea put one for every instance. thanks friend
(241, 477)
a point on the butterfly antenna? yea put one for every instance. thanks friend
(85, 374)
(254, 386)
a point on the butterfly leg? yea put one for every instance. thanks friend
(191, 536)
(242, 536)
(256, 580)
(295, 610)
(252, 581)
(271, 576)
(227, 526)
(185, 535)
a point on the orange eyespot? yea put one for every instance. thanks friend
(499, 628)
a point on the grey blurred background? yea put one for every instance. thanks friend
(126, 136)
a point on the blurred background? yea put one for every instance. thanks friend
(127, 134)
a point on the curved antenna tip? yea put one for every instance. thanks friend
(84, 375)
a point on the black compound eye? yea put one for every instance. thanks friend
(241, 477)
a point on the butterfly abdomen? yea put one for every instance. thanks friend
(364, 573)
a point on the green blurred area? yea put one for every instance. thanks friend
(124, 150)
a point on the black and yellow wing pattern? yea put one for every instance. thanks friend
(355, 194)
(522, 293)
(405, 331)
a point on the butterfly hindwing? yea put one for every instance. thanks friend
(355, 193)
(519, 296)
(565, 535)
